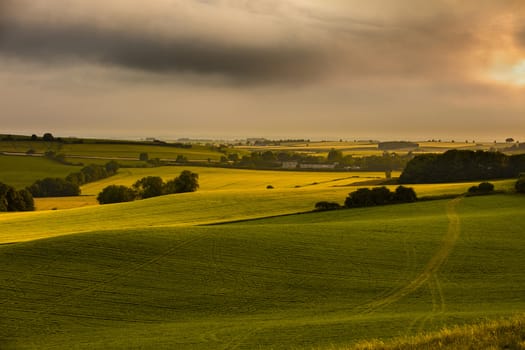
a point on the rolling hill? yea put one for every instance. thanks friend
(139, 275)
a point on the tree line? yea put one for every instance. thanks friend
(70, 186)
(366, 197)
(462, 165)
(148, 187)
(274, 160)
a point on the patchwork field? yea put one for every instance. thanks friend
(92, 150)
(238, 265)
(311, 280)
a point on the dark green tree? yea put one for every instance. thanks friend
(48, 137)
(13, 200)
(335, 156)
(149, 186)
(187, 181)
(381, 195)
(53, 187)
(405, 195)
(112, 167)
(360, 198)
(116, 194)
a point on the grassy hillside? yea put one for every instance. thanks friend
(238, 179)
(318, 280)
(241, 201)
(22, 171)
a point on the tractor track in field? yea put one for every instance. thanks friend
(429, 273)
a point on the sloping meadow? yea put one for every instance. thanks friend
(299, 281)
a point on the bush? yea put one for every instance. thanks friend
(520, 185)
(322, 206)
(54, 187)
(405, 195)
(116, 194)
(482, 188)
(269, 187)
(486, 187)
(365, 197)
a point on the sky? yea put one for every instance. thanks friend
(227, 69)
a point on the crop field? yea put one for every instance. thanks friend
(296, 190)
(238, 179)
(142, 275)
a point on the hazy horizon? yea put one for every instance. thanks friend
(231, 69)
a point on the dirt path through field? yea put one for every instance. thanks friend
(432, 267)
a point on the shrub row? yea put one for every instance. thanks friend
(70, 186)
(148, 187)
(365, 197)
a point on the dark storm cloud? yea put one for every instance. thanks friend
(413, 48)
(135, 50)
(285, 43)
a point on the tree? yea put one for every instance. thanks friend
(149, 186)
(76, 178)
(53, 187)
(381, 195)
(13, 200)
(405, 195)
(486, 187)
(335, 156)
(48, 137)
(112, 167)
(360, 198)
(27, 200)
(143, 156)
(116, 194)
(482, 188)
(187, 181)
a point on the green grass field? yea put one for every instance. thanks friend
(21, 171)
(142, 275)
(159, 274)
(197, 152)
